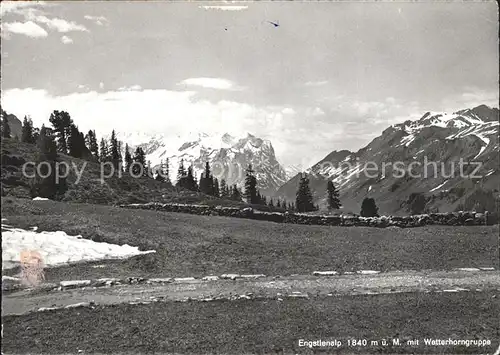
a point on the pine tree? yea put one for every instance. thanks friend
(128, 159)
(166, 171)
(190, 180)
(236, 194)
(91, 142)
(181, 175)
(251, 186)
(47, 186)
(278, 203)
(27, 131)
(206, 181)
(61, 121)
(5, 126)
(36, 134)
(103, 151)
(258, 199)
(304, 199)
(223, 189)
(140, 162)
(332, 196)
(114, 151)
(216, 187)
(159, 173)
(369, 208)
(120, 155)
(271, 203)
(76, 142)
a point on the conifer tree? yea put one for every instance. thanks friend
(251, 186)
(271, 203)
(76, 142)
(5, 125)
(128, 159)
(160, 176)
(140, 160)
(91, 142)
(120, 155)
(45, 184)
(223, 189)
(61, 121)
(332, 196)
(369, 208)
(103, 151)
(27, 131)
(236, 194)
(166, 171)
(190, 180)
(114, 150)
(278, 203)
(216, 189)
(181, 175)
(206, 181)
(304, 198)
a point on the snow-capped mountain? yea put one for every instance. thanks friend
(228, 156)
(435, 144)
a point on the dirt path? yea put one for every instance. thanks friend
(267, 287)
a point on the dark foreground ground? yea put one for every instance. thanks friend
(190, 245)
(263, 326)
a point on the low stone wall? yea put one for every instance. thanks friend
(450, 219)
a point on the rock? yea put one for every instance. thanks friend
(469, 222)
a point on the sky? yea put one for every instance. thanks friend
(330, 76)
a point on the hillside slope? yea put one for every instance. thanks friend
(89, 188)
(440, 138)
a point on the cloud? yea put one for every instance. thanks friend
(29, 29)
(224, 8)
(130, 88)
(17, 7)
(32, 14)
(471, 97)
(58, 24)
(66, 40)
(316, 83)
(212, 83)
(99, 20)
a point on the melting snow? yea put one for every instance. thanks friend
(439, 186)
(40, 199)
(58, 248)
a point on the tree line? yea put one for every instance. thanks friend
(65, 137)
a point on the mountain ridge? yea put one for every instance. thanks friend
(470, 134)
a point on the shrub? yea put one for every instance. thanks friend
(369, 208)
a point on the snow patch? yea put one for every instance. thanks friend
(368, 272)
(58, 248)
(40, 199)
(439, 186)
(325, 273)
(75, 283)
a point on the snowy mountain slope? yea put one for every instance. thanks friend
(228, 156)
(434, 144)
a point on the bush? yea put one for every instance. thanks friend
(369, 208)
(417, 203)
